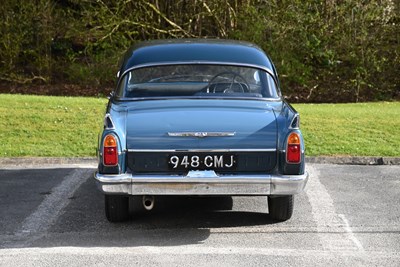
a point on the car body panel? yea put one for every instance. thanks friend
(149, 130)
(257, 128)
(195, 50)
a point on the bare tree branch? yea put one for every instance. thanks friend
(173, 24)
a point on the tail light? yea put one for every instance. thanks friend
(293, 151)
(110, 151)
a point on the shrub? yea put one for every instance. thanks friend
(325, 51)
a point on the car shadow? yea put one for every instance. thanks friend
(196, 212)
(175, 220)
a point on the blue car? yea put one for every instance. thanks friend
(199, 118)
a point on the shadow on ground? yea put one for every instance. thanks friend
(173, 221)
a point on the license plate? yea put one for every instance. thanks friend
(202, 162)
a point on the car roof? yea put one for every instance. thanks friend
(173, 51)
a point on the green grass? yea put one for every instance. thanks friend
(364, 129)
(68, 127)
(49, 126)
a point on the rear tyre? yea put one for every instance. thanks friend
(117, 208)
(280, 207)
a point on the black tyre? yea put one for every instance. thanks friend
(117, 208)
(280, 207)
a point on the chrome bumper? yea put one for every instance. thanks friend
(201, 183)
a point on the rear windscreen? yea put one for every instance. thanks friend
(197, 80)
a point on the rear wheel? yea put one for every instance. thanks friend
(117, 208)
(280, 207)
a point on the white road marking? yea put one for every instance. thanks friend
(324, 214)
(350, 232)
(48, 211)
(191, 250)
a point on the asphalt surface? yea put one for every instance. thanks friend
(53, 215)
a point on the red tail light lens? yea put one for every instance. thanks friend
(293, 151)
(110, 151)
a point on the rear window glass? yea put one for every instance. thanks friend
(197, 80)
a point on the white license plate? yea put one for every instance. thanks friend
(202, 162)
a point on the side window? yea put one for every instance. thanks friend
(121, 88)
(272, 90)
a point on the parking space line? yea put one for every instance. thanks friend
(198, 249)
(324, 215)
(49, 210)
(350, 232)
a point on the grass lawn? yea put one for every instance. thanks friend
(363, 129)
(49, 126)
(68, 127)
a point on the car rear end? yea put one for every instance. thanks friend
(202, 129)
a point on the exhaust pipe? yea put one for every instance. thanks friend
(148, 202)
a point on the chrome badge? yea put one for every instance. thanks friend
(201, 134)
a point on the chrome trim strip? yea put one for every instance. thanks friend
(201, 134)
(199, 97)
(296, 116)
(284, 151)
(108, 117)
(200, 63)
(204, 150)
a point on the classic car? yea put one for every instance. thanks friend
(199, 117)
